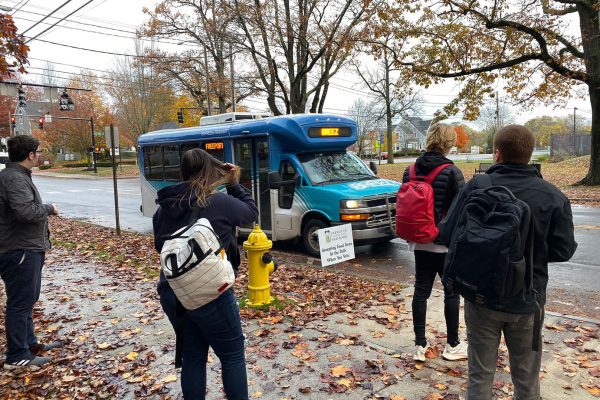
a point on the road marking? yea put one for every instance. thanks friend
(587, 227)
(74, 191)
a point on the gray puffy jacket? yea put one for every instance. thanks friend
(23, 216)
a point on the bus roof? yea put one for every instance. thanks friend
(287, 125)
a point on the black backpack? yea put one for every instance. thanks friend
(490, 257)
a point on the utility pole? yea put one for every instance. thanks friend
(574, 129)
(114, 171)
(231, 73)
(209, 106)
(497, 112)
(93, 146)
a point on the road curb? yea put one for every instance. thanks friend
(573, 317)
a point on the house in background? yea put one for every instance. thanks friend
(411, 133)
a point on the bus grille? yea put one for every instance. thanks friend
(380, 217)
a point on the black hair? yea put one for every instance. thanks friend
(20, 146)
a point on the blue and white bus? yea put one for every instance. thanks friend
(296, 167)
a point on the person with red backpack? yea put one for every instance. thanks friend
(428, 189)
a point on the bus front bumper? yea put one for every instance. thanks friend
(360, 233)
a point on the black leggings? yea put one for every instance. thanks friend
(427, 266)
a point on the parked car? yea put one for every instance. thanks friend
(383, 155)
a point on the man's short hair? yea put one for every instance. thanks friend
(20, 146)
(516, 144)
(440, 138)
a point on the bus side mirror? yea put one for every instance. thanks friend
(274, 180)
(373, 167)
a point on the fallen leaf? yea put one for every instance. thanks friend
(169, 378)
(339, 370)
(432, 352)
(344, 382)
(132, 356)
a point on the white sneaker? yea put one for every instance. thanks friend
(420, 353)
(459, 352)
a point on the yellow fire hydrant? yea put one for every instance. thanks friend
(260, 266)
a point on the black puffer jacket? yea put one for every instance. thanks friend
(445, 186)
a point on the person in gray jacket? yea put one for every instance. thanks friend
(24, 240)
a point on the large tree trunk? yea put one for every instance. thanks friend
(593, 176)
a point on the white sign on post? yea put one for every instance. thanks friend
(48, 118)
(107, 136)
(336, 244)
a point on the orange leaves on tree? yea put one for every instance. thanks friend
(13, 50)
(462, 139)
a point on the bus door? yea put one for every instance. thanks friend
(252, 155)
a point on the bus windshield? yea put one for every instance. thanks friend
(334, 167)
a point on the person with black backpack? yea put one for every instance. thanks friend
(428, 188)
(502, 230)
(216, 324)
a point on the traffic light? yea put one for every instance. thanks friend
(41, 122)
(180, 117)
(22, 100)
(66, 104)
(13, 122)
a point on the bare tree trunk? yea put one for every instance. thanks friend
(593, 175)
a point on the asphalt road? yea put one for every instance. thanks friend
(92, 200)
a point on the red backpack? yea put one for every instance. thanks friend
(415, 215)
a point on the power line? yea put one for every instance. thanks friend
(134, 37)
(58, 22)
(37, 23)
(26, 1)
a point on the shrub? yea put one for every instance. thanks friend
(42, 167)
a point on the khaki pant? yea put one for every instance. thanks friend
(484, 328)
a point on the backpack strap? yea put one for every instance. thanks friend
(435, 172)
(412, 173)
(193, 219)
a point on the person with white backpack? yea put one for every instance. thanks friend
(194, 210)
(428, 188)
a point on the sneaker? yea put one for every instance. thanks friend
(420, 353)
(39, 348)
(458, 352)
(34, 361)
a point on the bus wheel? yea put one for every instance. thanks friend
(311, 238)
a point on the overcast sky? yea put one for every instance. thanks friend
(109, 25)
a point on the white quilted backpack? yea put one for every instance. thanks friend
(194, 262)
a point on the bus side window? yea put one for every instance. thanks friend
(153, 165)
(288, 184)
(171, 158)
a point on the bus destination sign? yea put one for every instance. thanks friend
(329, 132)
(213, 146)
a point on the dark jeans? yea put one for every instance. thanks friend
(484, 329)
(22, 275)
(216, 325)
(427, 266)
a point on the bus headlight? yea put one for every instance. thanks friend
(350, 204)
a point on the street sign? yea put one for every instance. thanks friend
(98, 133)
(48, 118)
(107, 136)
(381, 138)
(336, 244)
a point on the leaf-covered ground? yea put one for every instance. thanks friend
(329, 335)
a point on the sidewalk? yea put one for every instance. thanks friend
(120, 345)
(38, 172)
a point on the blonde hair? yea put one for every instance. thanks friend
(440, 138)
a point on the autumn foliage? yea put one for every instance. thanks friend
(12, 47)
(462, 139)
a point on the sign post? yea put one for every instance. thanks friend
(336, 244)
(111, 129)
